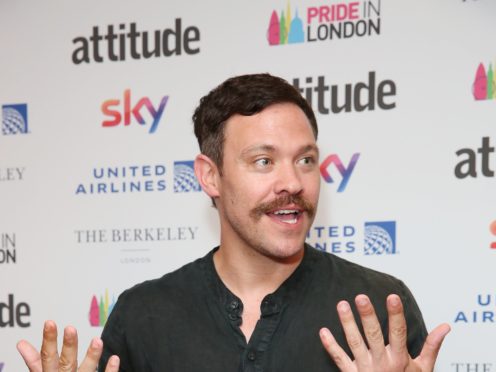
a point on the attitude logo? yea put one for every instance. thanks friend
(15, 119)
(123, 42)
(484, 86)
(99, 311)
(492, 229)
(8, 252)
(325, 22)
(122, 114)
(360, 96)
(378, 238)
(471, 160)
(482, 312)
(12, 313)
(184, 177)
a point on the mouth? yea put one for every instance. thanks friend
(287, 216)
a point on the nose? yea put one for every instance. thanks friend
(288, 180)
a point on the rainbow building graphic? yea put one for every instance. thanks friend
(99, 311)
(284, 30)
(484, 86)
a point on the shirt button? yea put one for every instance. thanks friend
(234, 305)
(252, 356)
(233, 316)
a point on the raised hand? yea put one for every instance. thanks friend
(49, 360)
(379, 357)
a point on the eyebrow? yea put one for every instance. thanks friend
(271, 149)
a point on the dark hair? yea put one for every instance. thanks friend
(244, 95)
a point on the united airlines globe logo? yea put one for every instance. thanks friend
(14, 119)
(184, 177)
(380, 238)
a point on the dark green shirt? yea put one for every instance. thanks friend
(188, 321)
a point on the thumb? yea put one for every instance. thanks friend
(428, 355)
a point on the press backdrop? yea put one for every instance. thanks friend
(97, 190)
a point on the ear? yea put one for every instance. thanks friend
(207, 174)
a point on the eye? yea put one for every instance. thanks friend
(263, 162)
(307, 160)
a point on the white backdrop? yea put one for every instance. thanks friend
(88, 210)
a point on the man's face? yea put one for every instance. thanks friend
(270, 181)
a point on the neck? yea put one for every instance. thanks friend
(248, 273)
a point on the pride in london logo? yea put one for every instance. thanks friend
(100, 310)
(484, 86)
(325, 22)
(492, 228)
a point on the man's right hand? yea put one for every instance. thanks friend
(48, 359)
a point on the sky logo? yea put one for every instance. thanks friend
(99, 311)
(184, 177)
(15, 119)
(345, 172)
(492, 228)
(122, 114)
(284, 30)
(484, 86)
(380, 238)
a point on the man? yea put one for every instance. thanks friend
(263, 300)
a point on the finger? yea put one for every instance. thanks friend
(371, 327)
(353, 336)
(93, 354)
(113, 364)
(432, 344)
(49, 354)
(68, 356)
(30, 355)
(336, 352)
(397, 325)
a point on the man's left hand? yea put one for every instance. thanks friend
(379, 357)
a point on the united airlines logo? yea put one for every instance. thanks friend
(184, 177)
(380, 238)
(15, 119)
(100, 310)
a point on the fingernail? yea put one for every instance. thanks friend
(96, 343)
(362, 300)
(114, 361)
(324, 332)
(344, 306)
(394, 300)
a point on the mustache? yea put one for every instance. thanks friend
(282, 201)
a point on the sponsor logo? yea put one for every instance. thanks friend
(492, 229)
(124, 179)
(345, 172)
(118, 113)
(8, 253)
(482, 312)
(470, 163)
(184, 177)
(484, 86)
(119, 43)
(12, 174)
(15, 119)
(100, 310)
(135, 244)
(326, 22)
(372, 238)
(12, 314)
(361, 96)
(471, 367)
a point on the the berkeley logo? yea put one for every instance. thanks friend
(118, 44)
(325, 22)
(122, 113)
